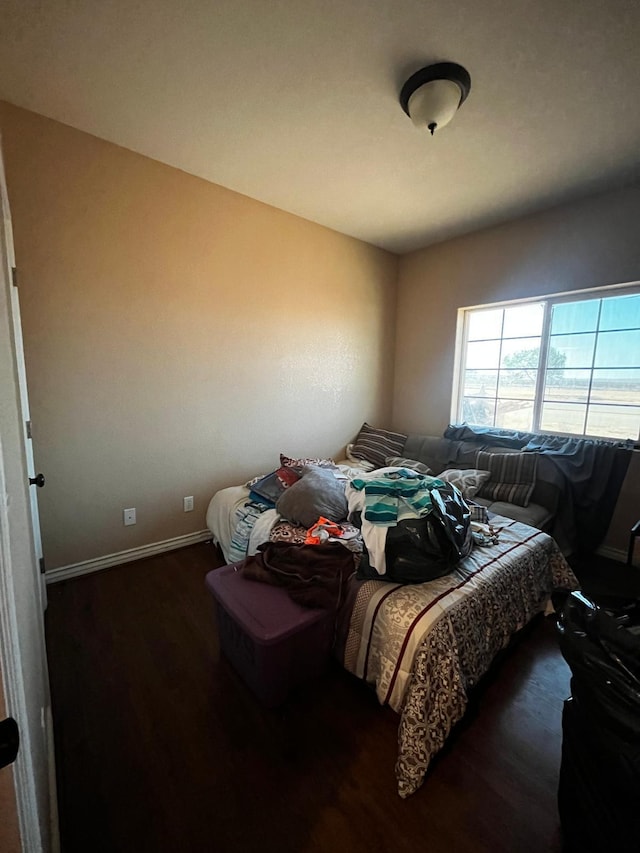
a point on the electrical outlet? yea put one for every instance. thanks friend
(129, 516)
(188, 503)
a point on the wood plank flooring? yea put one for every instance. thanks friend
(160, 747)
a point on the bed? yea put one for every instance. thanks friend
(424, 646)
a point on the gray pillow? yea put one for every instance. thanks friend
(468, 480)
(316, 493)
(413, 464)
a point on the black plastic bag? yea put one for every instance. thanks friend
(602, 647)
(453, 513)
(422, 549)
(599, 786)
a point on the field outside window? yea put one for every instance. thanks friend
(568, 366)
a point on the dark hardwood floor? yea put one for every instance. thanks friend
(160, 747)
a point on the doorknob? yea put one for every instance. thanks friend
(38, 481)
(9, 741)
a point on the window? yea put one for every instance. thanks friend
(561, 365)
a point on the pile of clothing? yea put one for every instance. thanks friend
(402, 526)
(415, 527)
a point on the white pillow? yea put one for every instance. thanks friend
(468, 481)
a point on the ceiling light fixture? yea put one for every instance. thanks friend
(432, 95)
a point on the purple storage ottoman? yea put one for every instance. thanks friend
(272, 642)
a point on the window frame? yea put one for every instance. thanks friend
(548, 301)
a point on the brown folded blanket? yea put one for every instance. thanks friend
(313, 575)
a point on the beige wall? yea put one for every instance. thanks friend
(588, 244)
(178, 336)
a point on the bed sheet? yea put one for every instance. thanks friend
(221, 514)
(424, 646)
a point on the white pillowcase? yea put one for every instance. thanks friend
(468, 481)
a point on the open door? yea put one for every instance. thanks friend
(23, 663)
(36, 481)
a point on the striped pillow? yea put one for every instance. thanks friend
(513, 476)
(375, 445)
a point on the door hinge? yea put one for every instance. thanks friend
(42, 567)
(28, 426)
(14, 276)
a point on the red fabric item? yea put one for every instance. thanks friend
(315, 534)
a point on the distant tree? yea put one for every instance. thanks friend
(526, 362)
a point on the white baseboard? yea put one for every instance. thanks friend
(74, 570)
(612, 553)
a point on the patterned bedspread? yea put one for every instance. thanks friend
(425, 645)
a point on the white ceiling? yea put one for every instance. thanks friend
(295, 102)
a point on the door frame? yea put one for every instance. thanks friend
(24, 668)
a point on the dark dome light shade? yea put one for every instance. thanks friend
(432, 96)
